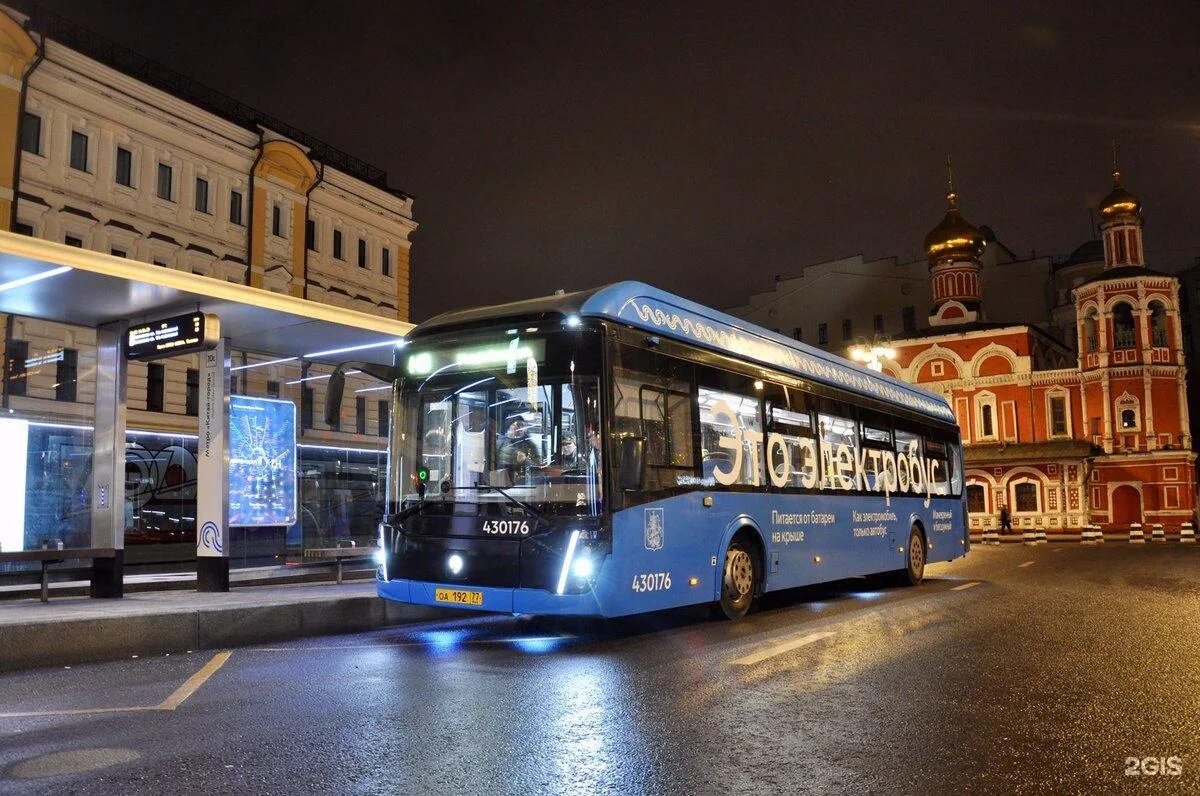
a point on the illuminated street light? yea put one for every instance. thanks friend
(872, 355)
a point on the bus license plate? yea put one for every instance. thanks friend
(460, 596)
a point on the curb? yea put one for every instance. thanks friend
(92, 640)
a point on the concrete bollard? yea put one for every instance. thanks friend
(1187, 534)
(1041, 536)
(1029, 537)
(991, 537)
(1157, 533)
(1099, 534)
(1089, 535)
(1135, 533)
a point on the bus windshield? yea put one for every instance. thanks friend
(500, 423)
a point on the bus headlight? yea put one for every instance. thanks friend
(583, 567)
(454, 563)
(380, 557)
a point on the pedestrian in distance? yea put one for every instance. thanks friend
(1005, 520)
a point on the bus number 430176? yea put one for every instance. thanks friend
(654, 581)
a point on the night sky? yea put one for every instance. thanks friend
(706, 147)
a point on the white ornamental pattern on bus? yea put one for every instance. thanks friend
(822, 466)
(654, 529)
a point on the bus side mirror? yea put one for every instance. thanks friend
(631, 471)
(333, 397)
(337, 385)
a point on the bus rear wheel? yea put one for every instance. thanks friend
(914, 560)
(739, 580)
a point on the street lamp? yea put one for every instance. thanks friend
(872, 355)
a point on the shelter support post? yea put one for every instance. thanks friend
(108, 461)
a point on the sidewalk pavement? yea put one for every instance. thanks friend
(70, 630)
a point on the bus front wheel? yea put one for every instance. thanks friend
(739, 580)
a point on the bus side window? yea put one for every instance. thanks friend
(937, 460)
(791, 421)
(877, 435)
(839, 443)
(735, 419)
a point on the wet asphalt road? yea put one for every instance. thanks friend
(1040, 677)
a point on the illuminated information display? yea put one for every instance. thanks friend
(262, 461)
(182, 334)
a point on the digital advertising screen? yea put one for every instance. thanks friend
(262, 461)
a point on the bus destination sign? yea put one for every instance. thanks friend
(181, 334)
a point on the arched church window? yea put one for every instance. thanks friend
(1123, 336)
(1025, 497)
(1089, 331)
(1158, 324)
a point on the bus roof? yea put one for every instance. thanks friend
(668, 315)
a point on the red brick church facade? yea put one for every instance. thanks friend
(1064, 434)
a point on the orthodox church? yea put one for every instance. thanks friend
(1063, 437)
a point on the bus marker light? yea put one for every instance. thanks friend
(693, 581)
(816, 559)
(708, 501)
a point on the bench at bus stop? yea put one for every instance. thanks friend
(101, 557)
(337, 555)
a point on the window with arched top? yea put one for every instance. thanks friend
(1158, 324)
(1129, 414)
(975, 499)
(1123, 336)
(1090, 338)
(1025, 497)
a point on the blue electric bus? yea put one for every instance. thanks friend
(621, 450)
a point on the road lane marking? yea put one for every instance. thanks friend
(962, 586)
(1026, 564)
(780, 649)
(170, 703)
(195, 681)
(73, 712)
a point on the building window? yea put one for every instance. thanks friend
(277, 221)
(156, 383)
(382, 417)
(272, 389)
(159, 261)
(165, 178)
(235, 207)
(360, 415)
(975, 499)
(337, 244)
(1058, 416)
(1158, 324)
(117, 252)
(847, 331)
(1129, 419)
(797, 333)
(31, 133)
(71, 240)
(362, 253)
(1025, 497)
(66, 375)
(878, 324)
(79, 151)
(124, 168)
(201, 195)
(823, 334)
(908, 319)
(1123, 336)
(192, 406)
(385, 263)
(310, 235)
(306, 407)
(1089, 332)
(15, 370)
(23, 229)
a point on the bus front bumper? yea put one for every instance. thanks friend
(497, 600)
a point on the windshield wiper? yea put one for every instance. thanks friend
(509, 497)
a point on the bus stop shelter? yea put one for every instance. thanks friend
(50, 281)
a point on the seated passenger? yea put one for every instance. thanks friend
(568, 456)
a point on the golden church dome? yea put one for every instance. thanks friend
(955, 237)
